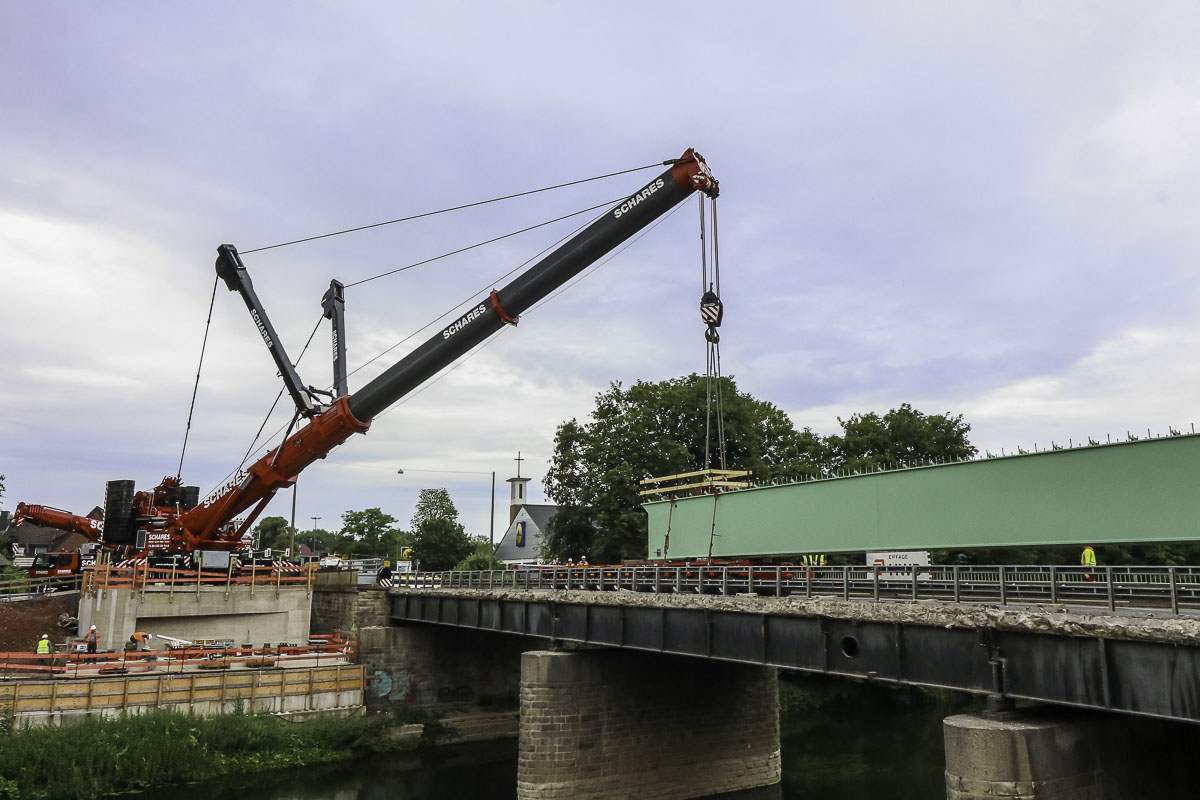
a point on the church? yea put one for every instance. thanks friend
(522, 542)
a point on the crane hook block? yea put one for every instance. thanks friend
(711, 309)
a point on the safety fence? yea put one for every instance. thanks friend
(26, 588)
(280, 690)
(212, 655)
(1149, 587)
(143, 575)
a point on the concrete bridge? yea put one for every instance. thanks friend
(669, 694)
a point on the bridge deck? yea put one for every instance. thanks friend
(1140, 664)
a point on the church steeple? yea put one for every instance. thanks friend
(518, 491)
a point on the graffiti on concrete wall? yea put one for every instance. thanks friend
(393, 686)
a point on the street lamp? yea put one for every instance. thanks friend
(492, 524)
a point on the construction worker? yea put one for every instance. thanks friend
(43, 649)
(93, 638)
(1088, 559)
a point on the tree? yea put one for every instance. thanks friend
(481, 557)
(439, 540)
(654, 429)
(433, 504)
(902, 437)
(273, 533)
(319, 539)
(369, 531)
(440, 543)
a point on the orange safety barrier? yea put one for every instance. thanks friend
(140, 577)
(327, 649)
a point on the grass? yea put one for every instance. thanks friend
(95, 757)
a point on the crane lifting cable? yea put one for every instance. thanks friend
(712, 311)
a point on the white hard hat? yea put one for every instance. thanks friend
(45, 636)
(93, 627)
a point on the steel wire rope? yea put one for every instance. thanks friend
(716, 262)
(578, 279)
(453, 311)
(427, 325)
(565, 287)
(454, 208)
(196, 386)
(485, 242)
(279, 396)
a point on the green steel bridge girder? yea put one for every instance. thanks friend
(1128, 492)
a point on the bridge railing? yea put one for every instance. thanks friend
(1173, 588)
(21, 588)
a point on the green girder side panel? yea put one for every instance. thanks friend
(1142, 491)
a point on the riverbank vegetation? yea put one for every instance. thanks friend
(97, 757)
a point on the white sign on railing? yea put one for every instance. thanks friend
(904, 559)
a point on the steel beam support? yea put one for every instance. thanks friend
(1148, 679)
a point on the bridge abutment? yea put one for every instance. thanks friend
(610, 724)
(1033, 755)
(440, 668)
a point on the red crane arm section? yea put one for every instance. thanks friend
(270, 474)
(61, 520)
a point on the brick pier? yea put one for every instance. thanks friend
(604, 724)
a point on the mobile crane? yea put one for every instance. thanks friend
(171, 517)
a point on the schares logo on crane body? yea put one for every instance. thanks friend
(639, 197)
(262, 329)
(465, 321)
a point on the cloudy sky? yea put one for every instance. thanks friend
(980, 208)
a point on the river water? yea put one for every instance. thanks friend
(851, 752)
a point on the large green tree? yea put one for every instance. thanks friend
(367, 529)
(902, 437)
(657, 429)
(439, 540)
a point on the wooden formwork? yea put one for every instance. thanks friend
(187, 691)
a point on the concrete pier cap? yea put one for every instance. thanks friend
(1042, 754)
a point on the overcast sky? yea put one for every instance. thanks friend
(977, 208)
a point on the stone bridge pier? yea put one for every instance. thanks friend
(599, 724)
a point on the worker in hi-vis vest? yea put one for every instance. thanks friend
(43, 649)
(1088, 559)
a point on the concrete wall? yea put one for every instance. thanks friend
(264, 616)
(348, 607)
(609, 724)
(434, 666)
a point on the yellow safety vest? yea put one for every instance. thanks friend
(43, 647)
(1088, 559)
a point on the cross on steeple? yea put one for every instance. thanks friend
(518, 459)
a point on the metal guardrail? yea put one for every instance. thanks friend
(142, 576)
(1133, 587)
(26, 588)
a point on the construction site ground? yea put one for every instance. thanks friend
(22, 622)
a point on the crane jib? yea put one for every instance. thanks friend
(612, 229)
(353, 413)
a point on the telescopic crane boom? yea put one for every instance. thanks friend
(209, 524)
